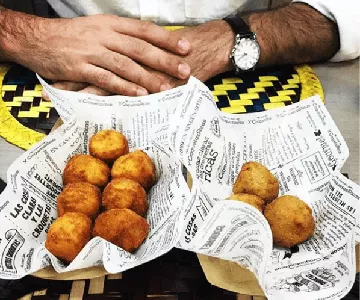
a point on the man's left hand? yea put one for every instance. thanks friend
(211, 45)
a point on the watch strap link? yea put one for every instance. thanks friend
(238, 25)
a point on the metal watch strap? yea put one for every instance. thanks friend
(238, 25)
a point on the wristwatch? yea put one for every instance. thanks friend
(246, 51)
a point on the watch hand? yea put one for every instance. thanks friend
(241, 57)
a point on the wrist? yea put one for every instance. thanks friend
(253, 21)
(225, 46)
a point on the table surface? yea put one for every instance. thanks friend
(341, 86)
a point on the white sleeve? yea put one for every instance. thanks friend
(346, 13)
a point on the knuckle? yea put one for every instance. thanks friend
(103, 16)
(102, 78)
(166, 35)
(110, 17)
(87, 32)
(138, 78)
(126, 89)
(121, 63)
(146, 27)
(82, 73)
(139, 48)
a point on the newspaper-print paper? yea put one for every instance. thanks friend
(303, 148)
(300, 144)
(28, 205)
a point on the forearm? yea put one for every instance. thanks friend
(294, 34)
(16, 28)
(3, 55)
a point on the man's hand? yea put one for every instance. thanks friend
(105, 51)
(211, 44)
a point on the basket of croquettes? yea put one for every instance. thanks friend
(109, 191)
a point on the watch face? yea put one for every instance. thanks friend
(246, 54)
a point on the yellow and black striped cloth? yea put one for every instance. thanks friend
(25, 118)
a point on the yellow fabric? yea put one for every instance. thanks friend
(240, 102)
(23, 137)
(310, 83)
(10, 129)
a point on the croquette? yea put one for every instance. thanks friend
(85, 168)
(108, 145)
(81, 197)
(256, 179)
(125, 193)
(67, 235)
(122, 227)
(290, 220)
(137, 166)
(253, 200)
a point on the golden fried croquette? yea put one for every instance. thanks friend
(255, 179)
(85, 168)
(81, 197)
(125, 193)
(122, 227)
(253, 200)
(108, 145)
(290, 220)
(137, 166)
(67, 235)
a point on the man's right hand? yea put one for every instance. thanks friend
(105, 51)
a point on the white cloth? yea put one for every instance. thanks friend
(345, 13)
(160, 11)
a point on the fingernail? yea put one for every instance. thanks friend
(184, 45)
(165, 87)
(141, 92)
(44, 95)
(184, 70)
